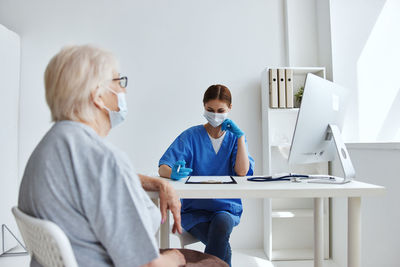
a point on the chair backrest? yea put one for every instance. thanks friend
(45, 241)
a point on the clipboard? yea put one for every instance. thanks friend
(210, 181)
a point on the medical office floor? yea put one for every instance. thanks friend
(254, 257)
(240, 258)
(257, 258)
(17, 261)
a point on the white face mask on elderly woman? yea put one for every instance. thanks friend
(117, 117)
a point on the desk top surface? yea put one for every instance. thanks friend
(276, 189)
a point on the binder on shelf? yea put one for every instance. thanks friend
(281, 88)
(273, 88)
(289, 88)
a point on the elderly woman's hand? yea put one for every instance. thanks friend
(170, 200)
(175, 256)
(168, 258)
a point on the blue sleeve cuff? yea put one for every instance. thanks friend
(251, 167)
(164, 162)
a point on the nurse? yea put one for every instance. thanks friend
(216, 148)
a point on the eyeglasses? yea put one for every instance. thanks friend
(123, 81)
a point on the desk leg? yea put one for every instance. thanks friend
(354, 232)
(318, 232)
(164, 233)
(156, 202)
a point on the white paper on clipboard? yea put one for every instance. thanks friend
(209, 179)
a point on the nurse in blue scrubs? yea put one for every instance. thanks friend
(216, 148)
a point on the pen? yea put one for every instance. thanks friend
(177, 170)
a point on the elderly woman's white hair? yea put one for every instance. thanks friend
(72, 75)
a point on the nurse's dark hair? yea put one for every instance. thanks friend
(218, 91)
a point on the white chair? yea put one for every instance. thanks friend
(45, 241)
(185, 238)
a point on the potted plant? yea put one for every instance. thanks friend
(299, 96)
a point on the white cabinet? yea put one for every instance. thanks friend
(288, 230)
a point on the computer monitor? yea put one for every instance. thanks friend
(317, 136)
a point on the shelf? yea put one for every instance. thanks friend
(304, 71)
(287, 110)
(292, 213)
(292, 254)
(288, 224)
(277, 146)
(300, 70)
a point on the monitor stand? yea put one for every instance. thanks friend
(344, 157)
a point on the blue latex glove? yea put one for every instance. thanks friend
(179, 171)
(229, 125)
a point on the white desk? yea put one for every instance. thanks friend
(280, 189)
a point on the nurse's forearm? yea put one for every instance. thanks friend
(242, 160)
(165, 171)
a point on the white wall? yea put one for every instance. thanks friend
(324, 36)
(171, 51)
(352, 22)
(378, 68)
(376, 164)
(302, 33)
(308, 34)
(365, 41)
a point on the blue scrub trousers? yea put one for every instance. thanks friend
(215, 235)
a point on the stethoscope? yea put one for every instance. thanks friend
(296, 178)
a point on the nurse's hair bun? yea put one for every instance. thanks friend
(218, 91)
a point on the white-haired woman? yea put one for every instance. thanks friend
(84, 184)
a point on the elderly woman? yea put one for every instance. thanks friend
(84, 184)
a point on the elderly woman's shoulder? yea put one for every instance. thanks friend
(74, 131)
(79, 137)
(84, 141)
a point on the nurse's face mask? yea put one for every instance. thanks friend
(216, 111)
(215, 119)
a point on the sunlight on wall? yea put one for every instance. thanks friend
(378, 78)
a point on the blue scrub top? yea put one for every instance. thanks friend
(195, 147)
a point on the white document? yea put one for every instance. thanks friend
(289, 88)
(282, 88)
(273, 88)
(209, 179)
